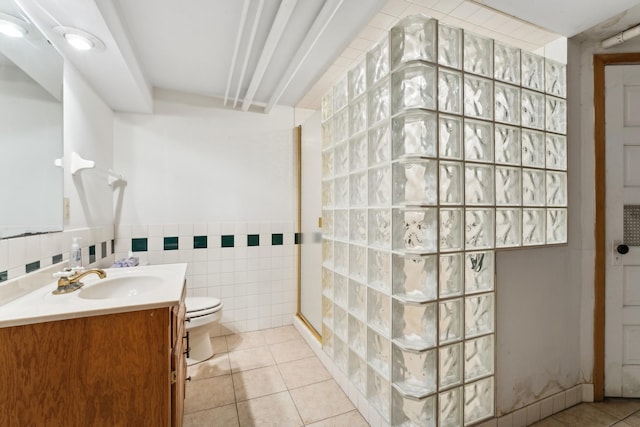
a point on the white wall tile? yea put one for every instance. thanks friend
(200, 229)
(546, 407)
(533, 413)
(520, 418)
(573, 396)
(227, 228)
(559, 402)
(172, 230)
(155, 230)
(4, 254)
(17, 253)
(587, 392)
(213, 228)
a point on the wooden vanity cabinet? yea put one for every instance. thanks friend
(124, 369)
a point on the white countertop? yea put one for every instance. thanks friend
(40, 305)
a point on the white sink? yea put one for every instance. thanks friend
(129, 286)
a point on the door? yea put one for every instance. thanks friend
(622, 318)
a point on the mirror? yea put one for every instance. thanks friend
(30, 130)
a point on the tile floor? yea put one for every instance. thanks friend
(265, 378)
(611, 412)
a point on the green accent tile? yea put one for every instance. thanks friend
(199, 242)
(104, 249)
(3, 276)
(113, 246)
(92, 254)
(33, 266)
(56, 259)
(170, 243)
(227, 241)
(276, 239)
(139, 245)
(253, 240)
(297, 238)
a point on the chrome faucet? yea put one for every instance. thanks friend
(69, 280)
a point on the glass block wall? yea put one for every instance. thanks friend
(439, 148)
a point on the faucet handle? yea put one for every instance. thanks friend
(67, 272)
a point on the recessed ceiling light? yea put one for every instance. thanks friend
(12, 27)
(80, 40)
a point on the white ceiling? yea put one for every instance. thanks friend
(280, 52)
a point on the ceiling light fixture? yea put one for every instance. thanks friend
(12, 27)
(79, 40)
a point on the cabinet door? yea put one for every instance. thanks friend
(179, 366)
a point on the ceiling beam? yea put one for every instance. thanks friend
(236, 48)
(279, 24)
(252, 38)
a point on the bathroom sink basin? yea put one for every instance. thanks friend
(121, 287)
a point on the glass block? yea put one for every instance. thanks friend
(532, 109)
(341, 224)
(508, 145)
(327, 134)
(380, 186)
(478, 97)
(479, 188)
(451, 275)
(478, 315)
(327, 311)
(379, 352)
(413, 86)
(327, 340)
(533, 187)
(327, 253)
(358, 263)
(378, 311)
(449, 46)
(413, 372)
(379, 271)
(556, 226)
(379, 105)
(340, 258)
(414, 325)
(450, 361)
(533, 227)
(415, 230)
(357, 226)
(478, 141)
(341, 158)
(358, 80)
(556, 150)
(413, 38)
(479, 271)
(478, 55)
(378, 62)
(358, 187)
(340, 354)
(478, 401)
(415, 182)
(449, 91)
(379, 393)
(479, 228)
(327, 164)
(407, 411)
(450, 324)
(340, 290)
(327, 223)
(415, 277)
(358, 371)
(327, 282)
(508, 228)
(357, 300)
(556, 115)
(358, 116)
(555, 78)
(380, 144)
(451, 183)
(450, 137)
(340, 94)
(340, 324)
(507, 104)
(478, 358)
(508, 186)
(506, 63)
(326, 105)
(450, 406)
(358, 153)
(532, 71)
(414, 135)
(451, 229)
(380, 228)
(532, 148)
(556, 188)
(340, 126)
(357, 336)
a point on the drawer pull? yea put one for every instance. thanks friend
(188, 347)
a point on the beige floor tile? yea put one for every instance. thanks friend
(252, 358)
(284, 333)
(226, 416)
(214, 367)
(245, 340)
(291, 350)
(350, 419)
(208, 393)
(585, 415)
(633, 420)
(257, 382)
(298, 373)
(219, 345)
(549, 422)
(621, 424)
(274, 410)
(619, 408)
(321, 400)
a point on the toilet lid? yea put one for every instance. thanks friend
(195, 304)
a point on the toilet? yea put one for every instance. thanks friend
(202, 312)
